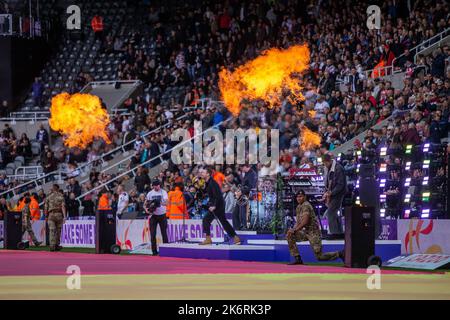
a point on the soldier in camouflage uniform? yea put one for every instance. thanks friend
(307, 228)
(55, 211)
(26, 222)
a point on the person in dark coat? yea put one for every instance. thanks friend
(216, 209)
(336, 188)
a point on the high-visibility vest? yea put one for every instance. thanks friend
(34, 209)
(176, 205)
(97, 24)
(103, 203)
(378, 71)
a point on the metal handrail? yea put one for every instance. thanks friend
(132, 171)
(14, 120)
(35, 182)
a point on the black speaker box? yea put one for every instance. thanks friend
(105, 231)
(12, 229)
(359, 236)
(369, 193)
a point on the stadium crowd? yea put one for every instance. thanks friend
(191, 44)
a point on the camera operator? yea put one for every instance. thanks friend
(155, 206)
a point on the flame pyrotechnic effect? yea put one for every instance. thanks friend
(309, 139)
(265, 78)
(80, 118)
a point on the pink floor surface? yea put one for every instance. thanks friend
(14, 263)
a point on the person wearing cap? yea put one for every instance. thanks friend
(307, 229)
(158, 216)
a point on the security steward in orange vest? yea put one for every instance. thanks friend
(34, 208)
(176, 204)
(97, 27)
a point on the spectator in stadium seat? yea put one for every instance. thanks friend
(72, 206)
(4, 109)
(74, 187)
(24, 147)
(49, 163)
(38, 90)
(142, 180)
(97, 27)
(42, 135)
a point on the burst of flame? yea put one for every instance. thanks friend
(80, 118)
(309, 139)
(265, 78)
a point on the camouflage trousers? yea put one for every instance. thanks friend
(26, 227)
(315, 242)
(55, 223)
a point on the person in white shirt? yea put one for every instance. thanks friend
(125, 124)
(155, 206)
(122, 202)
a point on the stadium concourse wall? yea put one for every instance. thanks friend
(416, 235)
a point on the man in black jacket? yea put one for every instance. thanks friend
(336, 188)
(216, 209)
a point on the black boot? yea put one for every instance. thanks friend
(297, 260)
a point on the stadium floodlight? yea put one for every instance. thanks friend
(383, 151)
(382, 183)
(408, 149)
(425, 213)
(383, 167)
(408, 165)
(382, 198)
(407, 198)
(426, 196)
(407, 213)
(426, 147)
(425, 181)
(426, 164)
(382, 212)
(407, 182)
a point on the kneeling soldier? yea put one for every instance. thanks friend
(307, 228)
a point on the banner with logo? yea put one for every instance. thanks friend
(424, 236)
(78, 233)
(133, 233)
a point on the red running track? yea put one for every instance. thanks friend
(14, 263)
